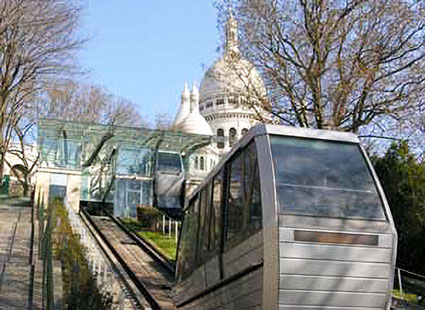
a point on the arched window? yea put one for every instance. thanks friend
(244, 131)
(196, 162)
(220, 138)
(232, 136)
(232, 101)
(201, 163)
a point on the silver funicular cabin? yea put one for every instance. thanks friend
(290, 219)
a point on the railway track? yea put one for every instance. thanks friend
(150, 273)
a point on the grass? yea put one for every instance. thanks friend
(165, 244)
(412, 298)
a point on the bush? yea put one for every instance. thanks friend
(148, 217)
(79, 285)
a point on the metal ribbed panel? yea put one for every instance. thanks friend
(292, 307)
(333, 276)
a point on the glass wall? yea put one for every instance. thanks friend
(130, 194)
(68, 153)
(134, 160)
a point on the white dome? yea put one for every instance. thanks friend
(231, 74)
(195, 123)
(184, 109)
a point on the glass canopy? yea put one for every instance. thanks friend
(117, 164)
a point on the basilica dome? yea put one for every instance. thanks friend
(231, 87)
(231, 74)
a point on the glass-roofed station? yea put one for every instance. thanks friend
(121, 167)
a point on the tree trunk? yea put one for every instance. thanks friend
(25, 186)
(1, 169)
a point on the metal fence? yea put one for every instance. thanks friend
(411, 289)
(45, 252)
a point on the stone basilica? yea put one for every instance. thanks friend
(230, 101)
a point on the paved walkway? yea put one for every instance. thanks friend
(15, 251)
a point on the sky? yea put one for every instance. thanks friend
(145, 50)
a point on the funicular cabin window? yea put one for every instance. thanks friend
(244, 197)
(216, 212)
(188, 239)
(324, 178)
(204, 222)
(134, 160)
(169, 162)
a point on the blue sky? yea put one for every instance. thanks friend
(145, 50)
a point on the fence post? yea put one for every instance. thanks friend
(170, 228)
(399, 281)
(163, 224)
(177, 231)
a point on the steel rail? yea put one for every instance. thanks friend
(159, 257)
(140, 286)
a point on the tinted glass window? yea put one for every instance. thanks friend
(204, 232)
(235, 203)
(244, 197)
(169, 162)
(324, 178)
(216, 212)
(188, 240)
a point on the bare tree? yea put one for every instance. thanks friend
(163, 121)
(86, 103)
(26, 167)
(37, 39)
(336, 64)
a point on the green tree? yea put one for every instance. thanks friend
(403, 180)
